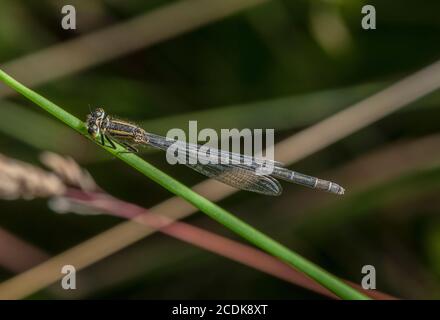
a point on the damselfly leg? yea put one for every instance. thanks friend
(129, 147)
(112, 145)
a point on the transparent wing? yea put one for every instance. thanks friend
(192, 150)
(241, 176)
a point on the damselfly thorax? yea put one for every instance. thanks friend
(125, 130)
(241, 172)
(99, 122)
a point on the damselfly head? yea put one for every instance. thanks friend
(92, 126)
(94, 120)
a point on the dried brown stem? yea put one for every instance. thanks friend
(118, 40)
(22, 180)
(86, 196)
(17, 255)
(234, 250)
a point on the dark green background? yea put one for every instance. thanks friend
(265, 67)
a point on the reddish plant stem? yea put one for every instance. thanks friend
(17, 255)
(234, 250)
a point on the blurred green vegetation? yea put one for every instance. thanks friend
(272, 66)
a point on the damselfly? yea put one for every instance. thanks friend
(240, 173)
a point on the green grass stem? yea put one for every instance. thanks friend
(217, 213)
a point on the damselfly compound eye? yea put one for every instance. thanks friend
(99, 112)
(93, 130)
